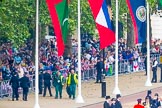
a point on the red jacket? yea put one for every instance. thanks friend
(138, 106)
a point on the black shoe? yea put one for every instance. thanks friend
(96, 82)
(40, 93)
(17, 99)
(50, 95)
(43, 95)
(60, 97)
(73, 98)
(69, 97)
(12, 99)
(56, 97)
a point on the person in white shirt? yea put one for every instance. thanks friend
(154, 69)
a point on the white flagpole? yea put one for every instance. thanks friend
(79, 98)
(148, 82)
(36, 57)
(116, 89)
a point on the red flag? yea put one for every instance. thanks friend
(103, 22)
(58, 10)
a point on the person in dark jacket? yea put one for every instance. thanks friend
(113, 100)
(118, 103)
(155, 101)
(99, 67)
(47, 83)
(14, 82)
(149, 93)
(107, 102)
(25, 84)
(40, 81)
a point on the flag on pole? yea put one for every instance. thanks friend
(103, 23)
(58, 10)
(137, 9)
(160, 4)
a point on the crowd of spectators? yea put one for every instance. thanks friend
(22, 59)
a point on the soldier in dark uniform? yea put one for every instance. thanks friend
(14, 82)
(99, 67)
(40, 81)
(25, 84)
(47, 83)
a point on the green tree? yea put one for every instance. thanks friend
(15, 20)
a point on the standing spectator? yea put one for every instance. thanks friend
(17, 59)
(72, 81)
(14, 82)
(154, 69)
(58, 83)
(139, 105)
(118, 103)
(47, 83)
(25, 83)
(107, 102)
(161, 73)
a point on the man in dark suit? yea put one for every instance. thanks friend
(25, 84)
(107, 102)
(14, 82)
(40, 81)
(99, 67)
(47, 83)
(118, 103)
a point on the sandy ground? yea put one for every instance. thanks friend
(91, 92)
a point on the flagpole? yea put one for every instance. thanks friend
(36, 57)
(148, 81)
(79, 98)
(116, 89)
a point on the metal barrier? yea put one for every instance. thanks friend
(124, 67)
(5, 89)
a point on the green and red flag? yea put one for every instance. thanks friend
(160, 4)
(58, 10)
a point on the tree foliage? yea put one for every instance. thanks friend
(15, 20)
(87, 21)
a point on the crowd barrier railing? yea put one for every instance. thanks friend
(124, 67)
(6, 89)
